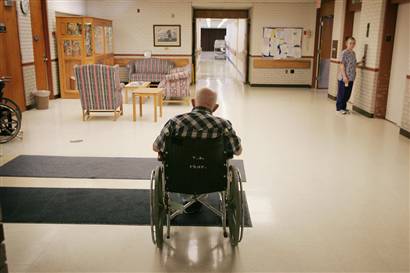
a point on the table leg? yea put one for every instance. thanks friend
(141, 106)
(160, 105)
(134, 106)
(155, 108)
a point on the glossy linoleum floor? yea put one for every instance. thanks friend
(326, 193)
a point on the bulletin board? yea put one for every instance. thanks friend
(281, 42)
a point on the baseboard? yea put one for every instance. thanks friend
(279, 85)
(331, 96)
(404, 132)
(363, 112)
(57, 96)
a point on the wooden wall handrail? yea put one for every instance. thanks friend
(283, 63)
(179, 62)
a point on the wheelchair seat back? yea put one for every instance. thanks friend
(195, 166)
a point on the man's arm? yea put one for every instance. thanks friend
(159, 143)
(234, 140)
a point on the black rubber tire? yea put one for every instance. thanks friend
(235, 209)
(158, 213)
(10, 103)
(10, 122)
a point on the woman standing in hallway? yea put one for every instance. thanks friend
(347, 75)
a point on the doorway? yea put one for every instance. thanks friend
(232, 25)
(401, 49)
(41, 46)
(324, 44)
(10, 56)
(209, 35)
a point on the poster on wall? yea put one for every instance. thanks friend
(281, 43)
(167, 35)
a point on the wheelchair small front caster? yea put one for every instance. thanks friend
(225, 234)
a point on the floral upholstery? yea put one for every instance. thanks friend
(176, 85)
(99, 86)
(149, 70)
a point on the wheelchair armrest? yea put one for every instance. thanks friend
(229, 155)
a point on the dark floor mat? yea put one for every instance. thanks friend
(93, 206)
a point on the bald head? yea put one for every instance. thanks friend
(205, 97)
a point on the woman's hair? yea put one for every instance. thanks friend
(350, 38)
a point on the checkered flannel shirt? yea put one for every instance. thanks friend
(199, 123)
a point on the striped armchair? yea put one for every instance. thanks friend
(100, 89)
(177, 84)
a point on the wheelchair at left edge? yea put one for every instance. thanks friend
(10, 116)
(196, 167)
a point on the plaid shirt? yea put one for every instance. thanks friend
(199, 123)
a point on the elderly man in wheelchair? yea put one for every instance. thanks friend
(195, 149)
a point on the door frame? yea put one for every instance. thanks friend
(15, 68)
(385, 57)
(44, 19)
(319, 48)
(326, 9)
(198, 13)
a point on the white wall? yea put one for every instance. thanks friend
(236, 44)
(133, 31)
(282, 15)
(289, 14)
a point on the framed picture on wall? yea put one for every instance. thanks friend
(167, 35)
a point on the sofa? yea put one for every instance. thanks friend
(149, 69)
(176, 84)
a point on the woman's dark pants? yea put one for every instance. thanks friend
(343, 95)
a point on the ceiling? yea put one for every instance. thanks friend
(214, 23)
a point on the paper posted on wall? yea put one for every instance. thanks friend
(282, 42)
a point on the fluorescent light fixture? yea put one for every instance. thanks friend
(222, 22)
(208, 22)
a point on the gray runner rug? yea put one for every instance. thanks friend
(86, 167)
(94, 206)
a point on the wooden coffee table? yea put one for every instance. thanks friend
(132, 86)
(156, 93)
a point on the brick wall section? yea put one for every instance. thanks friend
(29, 76)
(333, 72)
(337, 34)
(405, 122)
(365, 95)
(366, 83)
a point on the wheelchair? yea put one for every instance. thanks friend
(10, 116)
(196, 167)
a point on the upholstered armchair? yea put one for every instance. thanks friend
(176, 85)
(100, 89)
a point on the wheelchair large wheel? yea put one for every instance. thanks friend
(10, 103)
(234, 210)
(157, 208)
(10, 122)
